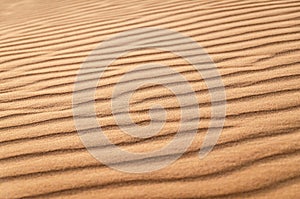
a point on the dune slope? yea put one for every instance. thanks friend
(254, 44)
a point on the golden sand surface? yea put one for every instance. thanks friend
(255, 46)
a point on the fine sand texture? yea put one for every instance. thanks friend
(255, 45)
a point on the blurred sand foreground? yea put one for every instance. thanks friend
(255, 45)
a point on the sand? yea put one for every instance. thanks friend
(255, 46)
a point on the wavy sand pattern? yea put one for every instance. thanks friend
(255, 45)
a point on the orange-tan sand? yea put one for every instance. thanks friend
(255, 46)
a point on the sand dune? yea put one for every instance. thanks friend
(255, 46)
